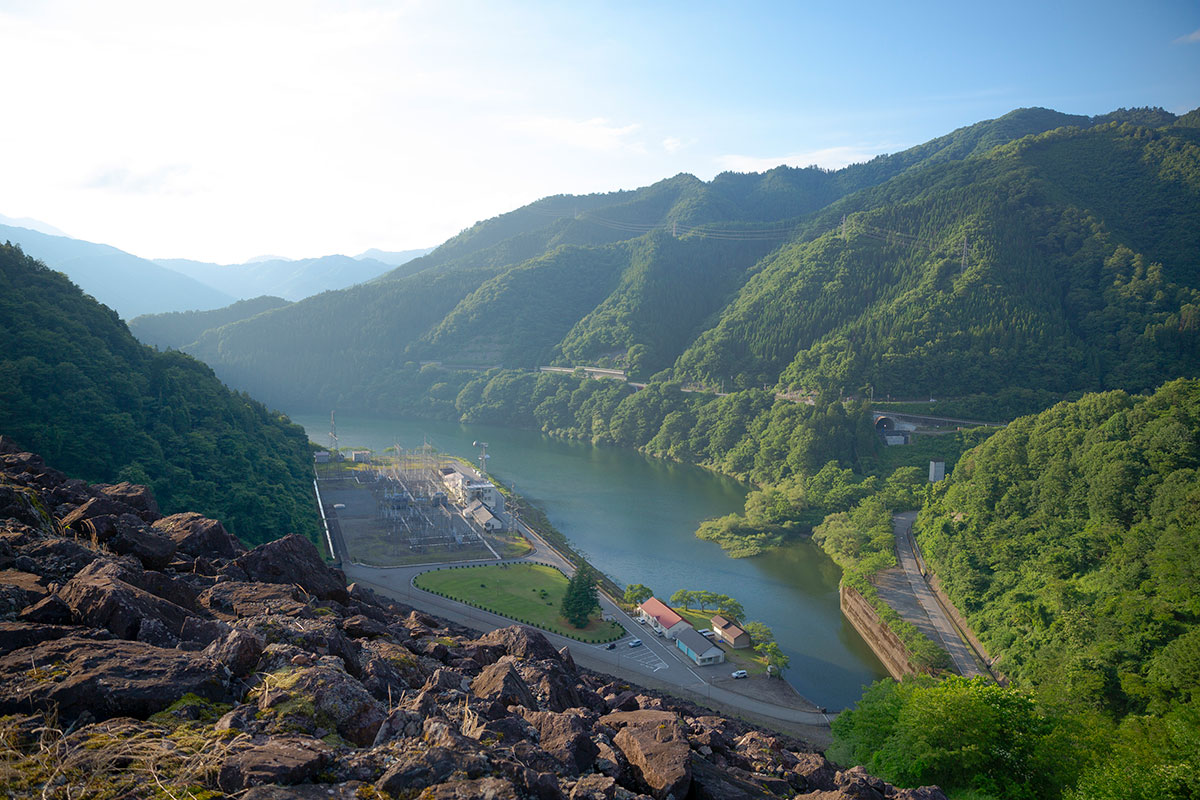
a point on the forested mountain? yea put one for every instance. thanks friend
(1070, 539)
(175, 329)
(291, 279)
(125, 283)
(1078, 274)
(78, 388)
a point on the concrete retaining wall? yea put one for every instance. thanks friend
(879, 637)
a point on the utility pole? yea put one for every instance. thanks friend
(963, 268)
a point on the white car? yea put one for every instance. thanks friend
(707, 633)
(739, 673)
(635, 642)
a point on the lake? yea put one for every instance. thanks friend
(634, 518)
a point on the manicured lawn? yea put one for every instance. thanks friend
(528, 593)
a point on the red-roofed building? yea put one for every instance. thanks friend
(662, 618)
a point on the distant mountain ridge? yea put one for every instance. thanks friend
(125, 283)
(291, 279)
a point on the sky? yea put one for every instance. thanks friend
(221, 131)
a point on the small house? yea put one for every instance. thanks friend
(662, 618)
(360, 456)
(700, 650)
(482, 516)
(321, 457)
(730, 632)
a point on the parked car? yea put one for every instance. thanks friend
(635, 642)
(610, 646)
(707, 633)
(739, 673)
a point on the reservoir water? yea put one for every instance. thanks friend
(634, 518)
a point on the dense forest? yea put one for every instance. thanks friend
(1070, 539)
(78, 389)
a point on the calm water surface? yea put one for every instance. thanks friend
(634, 517)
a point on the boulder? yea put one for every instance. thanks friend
(283, 759)
(361, 626)
(104, 678)
(93, 508)
(18, 634)
(231, 600)
(139, 498)
(314, 698)
(594, 787)
(521, 641)
(198, 535)
(488, 788)
(502, 682)
(99, 600)
(293, 559)
(50, 610)
(238, 650)
(656, 747)
(57, 559)
(150, 547)
(565, 737)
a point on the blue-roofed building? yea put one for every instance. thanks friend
(697, 648)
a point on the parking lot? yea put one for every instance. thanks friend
(641, 656)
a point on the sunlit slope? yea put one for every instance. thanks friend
(1049, 293)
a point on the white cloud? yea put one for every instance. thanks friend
(592, 134)
(1191, 38)
(828, 158)
(672, 144)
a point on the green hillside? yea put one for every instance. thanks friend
(78, 389)
(1078, 276)
(1052, 296)
(175, 329)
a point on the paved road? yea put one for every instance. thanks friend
(656, 661)
(964, 660)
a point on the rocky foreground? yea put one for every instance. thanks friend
(150, 656)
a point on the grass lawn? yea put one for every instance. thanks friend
(527, 593)
(745, 658)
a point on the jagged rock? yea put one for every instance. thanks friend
(292, 559)
(625, 701)
(594, 787)
(321, 697)
(198, 535)
(282, 759)
(446, 680)
(19, 589)
(817, 772)
(350, 790)
(132, 537)
(104, 678)
(521, 641)
(230, 600)
(140, 498)
(238, 650)
(502, 682)
(710, 782)
(481, 789)
(50, 610)
(415, 770)
(362, 627)
(58, 559)
(19, 634)
(565, 737)
(93, 508)
(401, 722)
(554, 688)
(656, 747)
(920, 793)
(100, 600)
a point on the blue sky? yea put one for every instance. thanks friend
(223, 130)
